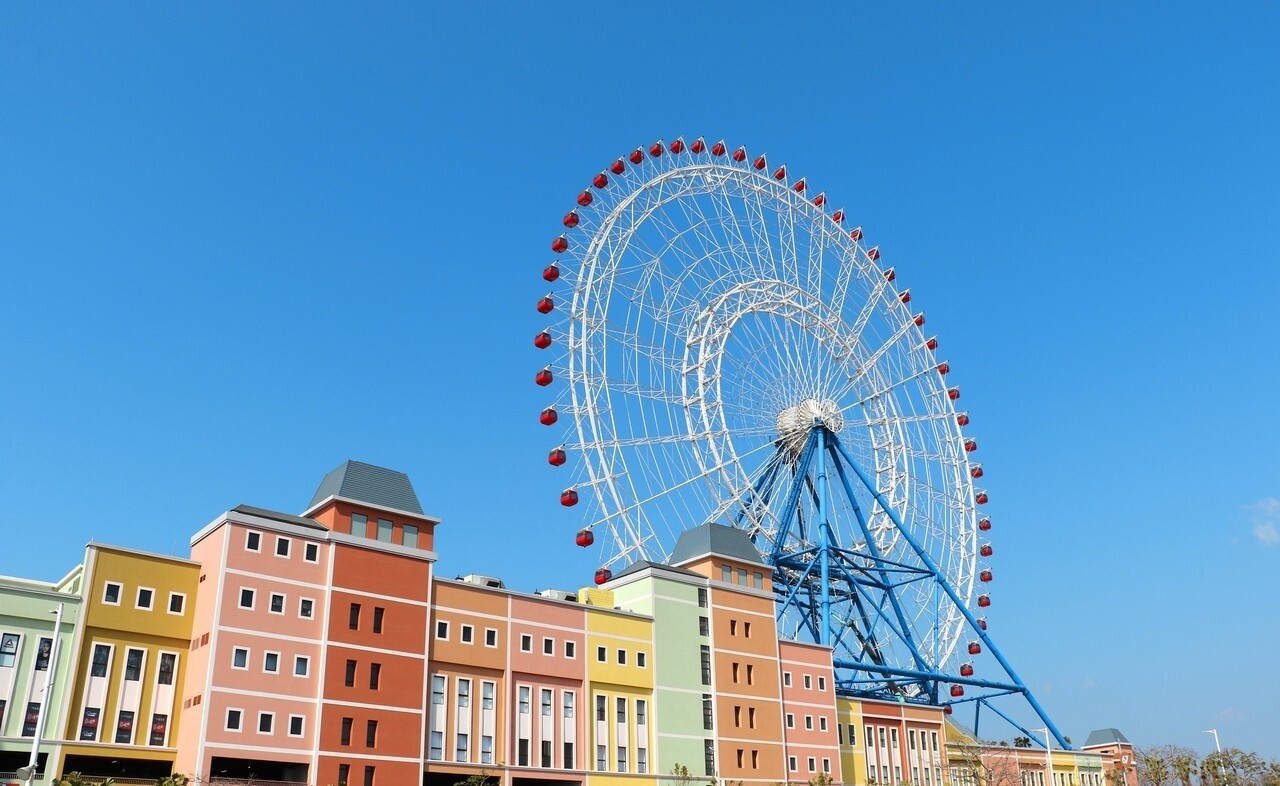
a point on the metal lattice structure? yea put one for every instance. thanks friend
(727, 348)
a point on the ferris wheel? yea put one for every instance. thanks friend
(725, 347)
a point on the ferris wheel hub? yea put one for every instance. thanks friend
(795, 422)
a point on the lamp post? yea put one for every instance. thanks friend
(28, 773)
(1222, 776)
(1048, 754)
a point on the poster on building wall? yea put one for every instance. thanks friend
(3, 705)
(31, 719)
(124, 728)
(89, 724)
(159, 726)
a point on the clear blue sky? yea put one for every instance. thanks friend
(241, 243)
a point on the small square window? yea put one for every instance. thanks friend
(312, 552)
(526, 642)
(490, 637)
(277, 603)
(296, 725)
(146, 596)
(306, 608)
(177, 602)
(301, 665)
(246, 598)
(571, 649)
(359, 524)
(641, 660)
(111, 593)
(266, 721)
(271, 662)
(548, 646)
(622, 657)
(240, 658)
(466, 634)
(253, 541)
(233, 719)
(282, 547)
(442, 630)
(602, 654)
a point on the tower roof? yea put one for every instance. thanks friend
(714, 538)
(362, 482)
(1105, 737)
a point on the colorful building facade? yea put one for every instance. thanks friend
(321, 648)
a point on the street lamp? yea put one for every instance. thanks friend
(27, 774)
(1221, 773)
(1048, 754)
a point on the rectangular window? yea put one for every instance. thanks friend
(746, 629)
(306, 608)
(791, 721)
(347, 723)
(546, 753)
(486, 695)
(709, 757)
(822, 723)
(159, 729)
(146, 596)
(467, 634)
(548, 646)
(570, 650)
(462, 752)
(642, 760)
(704, 626)
(277, 603)
(375, 675)
(601, 708)
(742, 576)
(642, 712)
(464, 692)
(567, 699)
(344, 772)
(545, 702)
(124, 728)
(233, 720)
(569, 763)
(792, 764)
(384, 530)
(526, 642)
(88, 724)
(622, 657)
(751, 680)
(379, 612)
(490, 637)
(602, 758)
(707, 715)
(442, 630)
(621, 707)
(253, 541)
(893, 737)
(602, 654)
(271, 662)
(240, 658)
(246, 598)
(8, 652)
(751, 717)
(822, 683)
(296, 725)
(706, 665)
(410, 536)
(757, 580)
(101, 660)
(282, 546)
(177, 602)
(312, 552)
(301, 665)
(622, 758)
(808, 722)
(524, 698)
(351, 673)
(165, 673)
(368, 775)
(353, 618)
(522, 753)
(911, 739)
(808, 682)
(813, 763)
(359, 524)
(371, 734)
(486, 749)
(111, 593)
(726, 573)
(853, 734)
(133, 665)
(786, 679)
(437, 689)
(702, 597)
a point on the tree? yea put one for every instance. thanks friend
(482, 778)
(1022, 742)
(175, 779)
(76, 779)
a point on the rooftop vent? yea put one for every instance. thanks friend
(482, 581)
(556, 594)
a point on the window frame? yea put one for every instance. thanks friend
(249, 535)
(287, 543)
(151, 599)
(311, 553)
(106, 586)
(181, 597)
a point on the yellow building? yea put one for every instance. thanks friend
(620, 689)
(128, 663)
(853, 756)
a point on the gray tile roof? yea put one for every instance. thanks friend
(1105, 737)
(714, 539)
(277, 516)
(362, 482)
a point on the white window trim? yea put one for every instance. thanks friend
(267, 654)
(240, 598)
(258, 727)
(786, 679)
(548, 643)
(137, 598)
(302, 616)
(467, 634)
(173, 595)
(487, 631)
(526, 642)
(248, 653)
(247, 533)
(307, 671)
(226, 720)
(570, 649)
(642, 659)
(302, 718)
(309, 547)
(284, 603)
(119, 592)
(442, 625)
(288, 548)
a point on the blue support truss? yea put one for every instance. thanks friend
(848, 596)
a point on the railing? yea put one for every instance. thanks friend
(216, 781)
(98, 779)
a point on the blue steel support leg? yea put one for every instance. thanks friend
(824, 536)
(946, 587)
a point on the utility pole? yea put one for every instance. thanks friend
(28, 773)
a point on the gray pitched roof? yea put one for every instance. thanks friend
(714, 538)
(277, 516)
(642, 564)
(1105, 737)
(362, 482)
